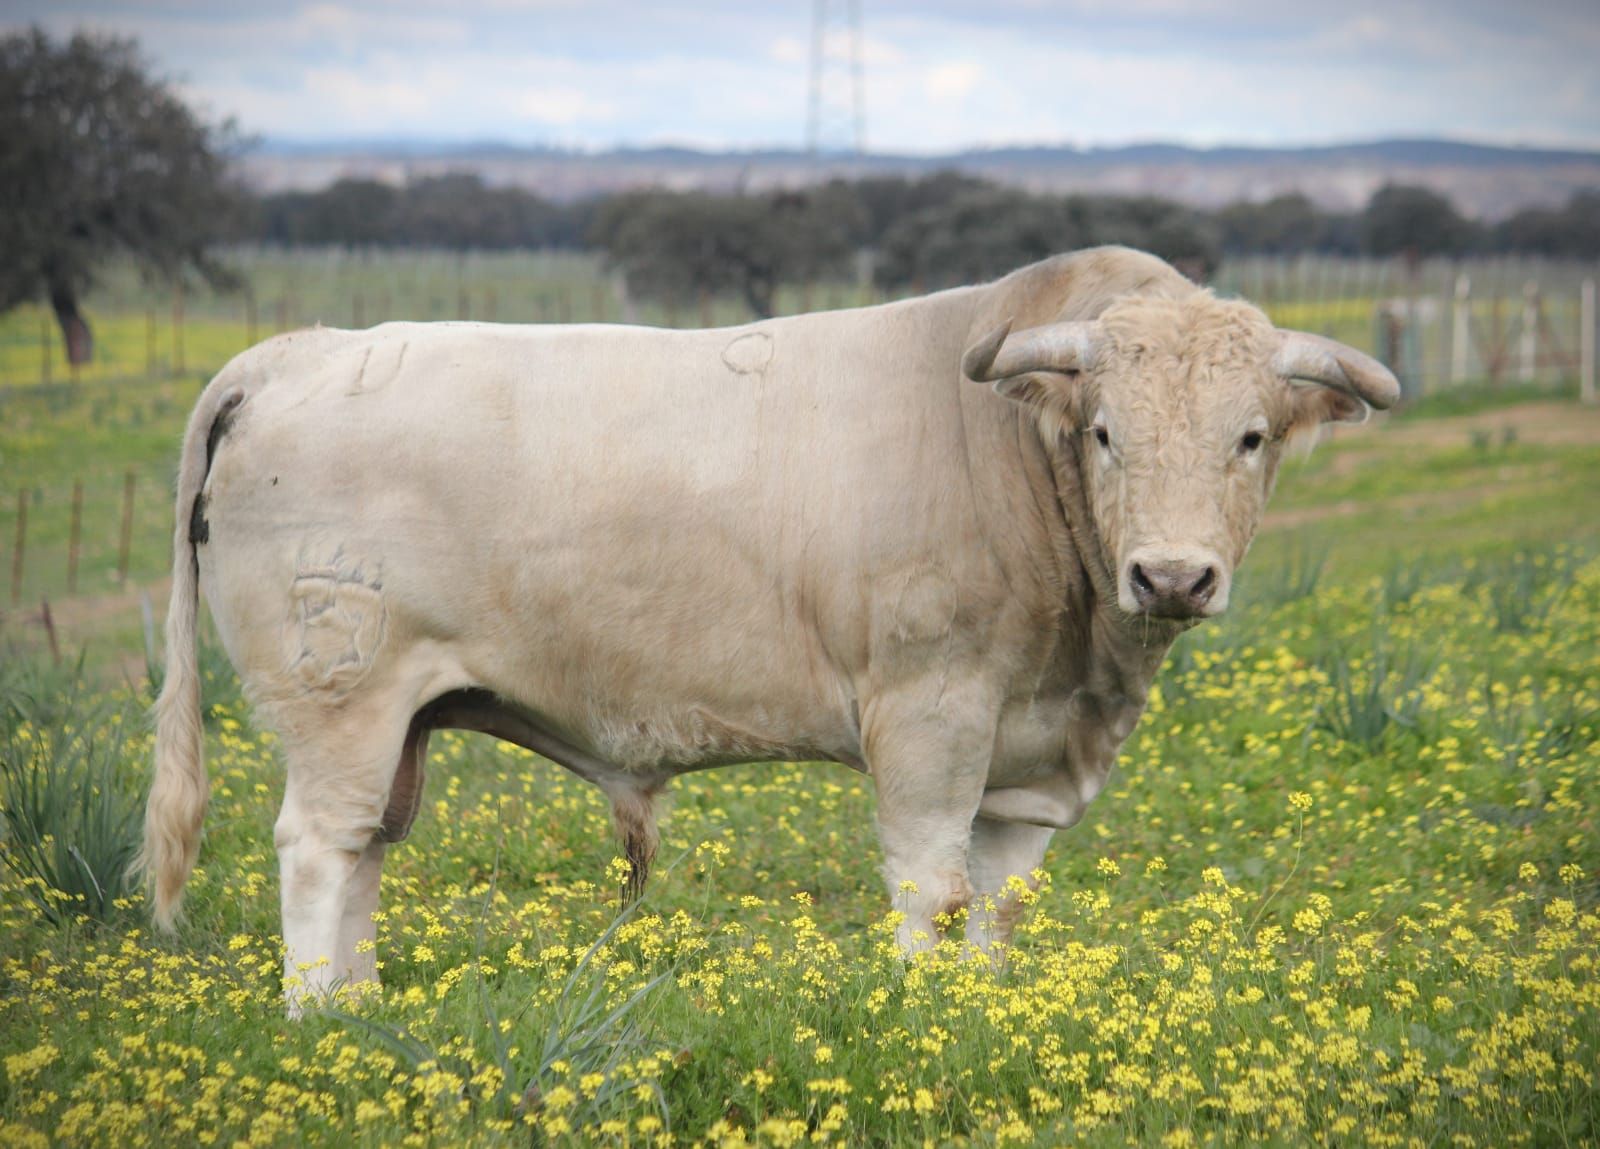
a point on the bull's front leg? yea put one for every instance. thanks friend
(929, 756)
(1009, 838)
(1002, 854)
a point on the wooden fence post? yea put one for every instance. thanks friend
(49, 622)
(177, 329)
(1497, 358)
(75, 536)
(1586, 319)
(1529, 343)
(147, 617)
(1461, 333)
(125, 541)
(21, 547)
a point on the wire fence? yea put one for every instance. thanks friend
(1437, 323)
(145, 330)
(1441, 324)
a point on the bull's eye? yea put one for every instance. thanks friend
(1102, 436)
(1251, 442)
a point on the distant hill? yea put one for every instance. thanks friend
(1484, 180)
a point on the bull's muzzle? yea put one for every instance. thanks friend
(1165, 586)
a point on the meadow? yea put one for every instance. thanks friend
(1344, 887)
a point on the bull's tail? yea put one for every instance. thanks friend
(634, 817)
(180, 788)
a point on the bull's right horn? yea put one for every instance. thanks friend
(1318, 359)
(1060, 347)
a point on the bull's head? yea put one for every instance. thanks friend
(1174, 413)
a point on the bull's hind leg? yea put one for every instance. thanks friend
(358, 928)
(343, 772)
(357, 951)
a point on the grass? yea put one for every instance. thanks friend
(1372, 696)
(1342, 888)
(70, 809)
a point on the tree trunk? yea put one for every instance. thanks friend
(74, 328)
(758, 294)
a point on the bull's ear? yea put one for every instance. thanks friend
(1313, 406)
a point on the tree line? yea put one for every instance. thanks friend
(931, 232)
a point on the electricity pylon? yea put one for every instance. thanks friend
(830, 114)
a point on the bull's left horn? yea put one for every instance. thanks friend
(1317, 359)
(1062, 347)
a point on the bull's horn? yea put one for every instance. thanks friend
(1329, 362)
(1055, 347)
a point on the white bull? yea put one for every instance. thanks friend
(642, 552)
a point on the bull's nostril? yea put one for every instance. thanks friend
(1204, 585)
(1140, 581)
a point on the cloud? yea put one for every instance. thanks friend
(940, 74)
(561, 106)
(788, 50)
(953, 81)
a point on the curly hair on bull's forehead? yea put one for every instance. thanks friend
(1197, 327)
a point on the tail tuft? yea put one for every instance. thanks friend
(179, 791)
(633, 814)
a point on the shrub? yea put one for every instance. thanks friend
(69, 803)
(1296, 577)
(1364, 708)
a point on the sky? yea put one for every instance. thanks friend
(940, 75)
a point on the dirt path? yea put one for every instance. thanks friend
(1543, 423)
(1399, 506)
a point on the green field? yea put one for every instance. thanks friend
(1342, 890)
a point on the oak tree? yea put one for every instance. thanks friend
(98, 158)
